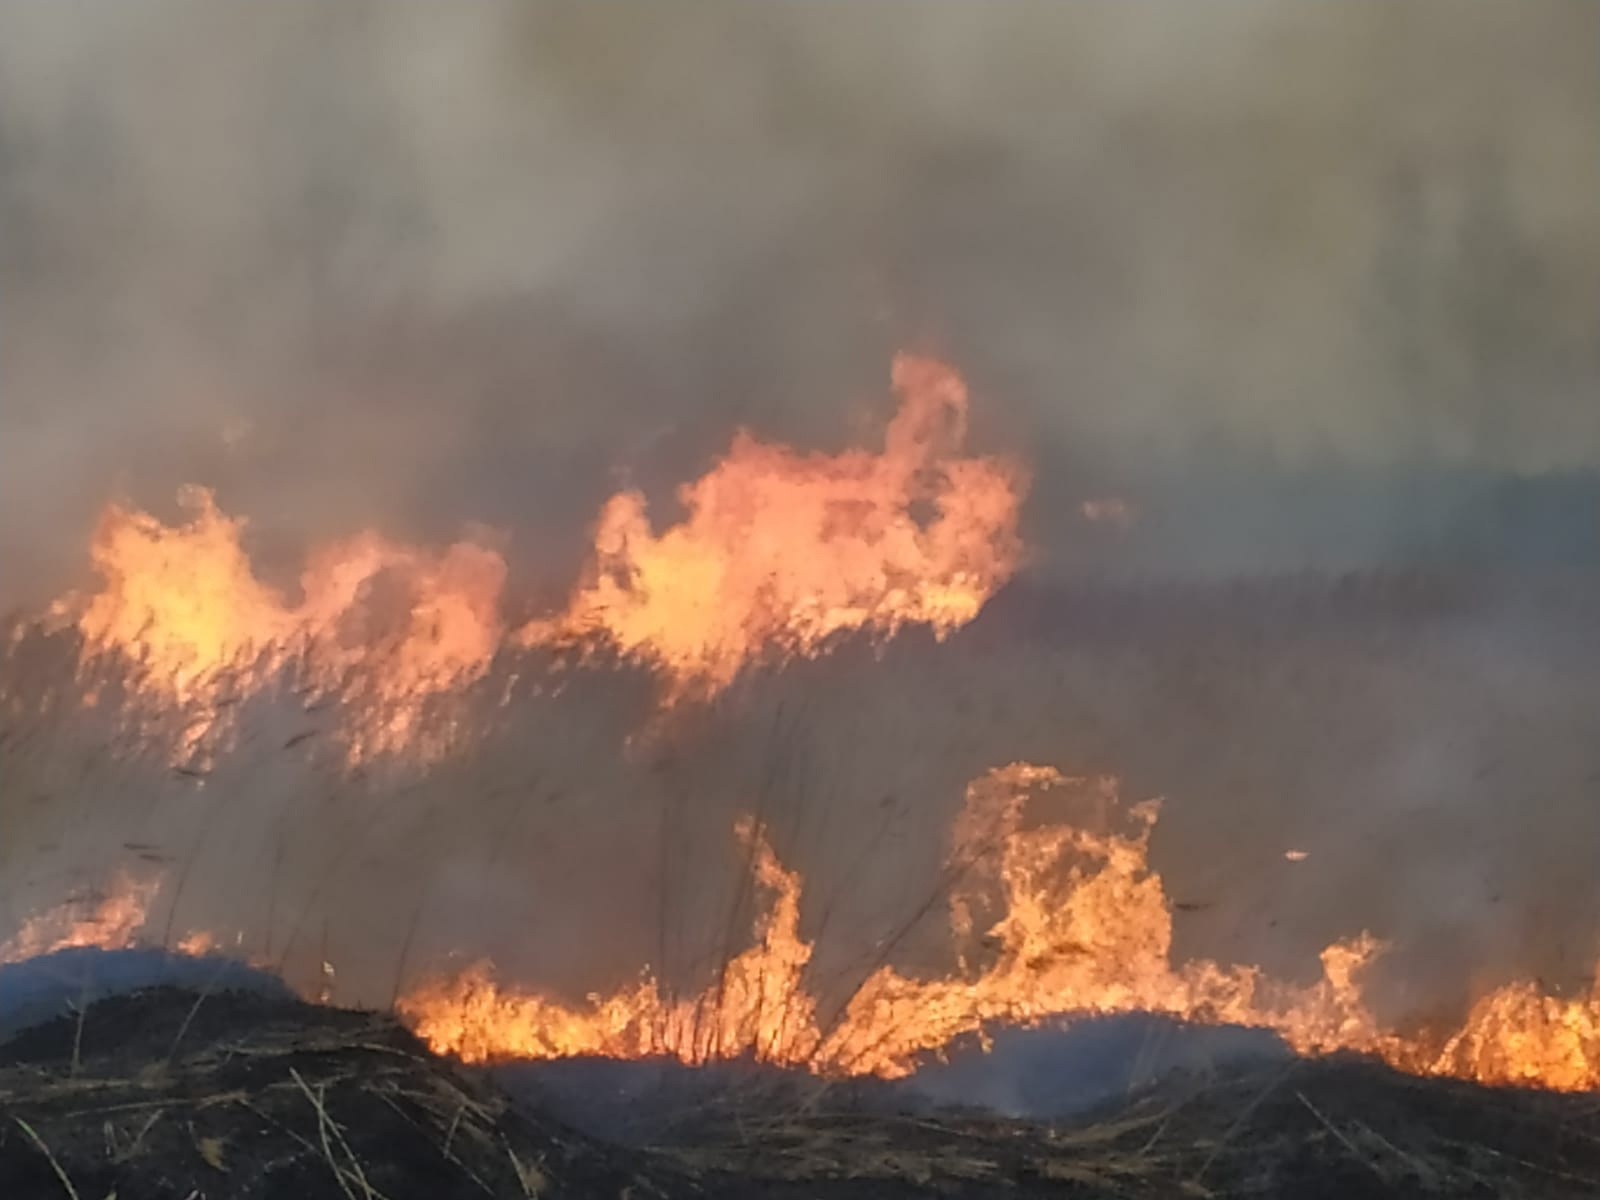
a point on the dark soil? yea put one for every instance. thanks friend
(168, 1093)
(193, 1096)
(1309, 1130)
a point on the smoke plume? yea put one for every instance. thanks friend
(423, 266)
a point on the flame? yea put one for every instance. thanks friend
(1048, 922)
(778, 553)
(198, 943)
(1517, 1035)
(112, 918)
(109, 920)
(758, 1003)
(780, 550)
(183, 599)
(183, 604)
(439, 633)
(1076, 921)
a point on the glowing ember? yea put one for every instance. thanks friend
(781, 550)
(1519, 1035)
(438, 632)
(1070, 920)
(1076, 921)
(109, 920)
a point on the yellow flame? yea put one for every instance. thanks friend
(388, 626)
(1050, 921)
(110, 920)
(780, 550)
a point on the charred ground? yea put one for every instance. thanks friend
(178, 1093)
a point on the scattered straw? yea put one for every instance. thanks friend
(66, 1183)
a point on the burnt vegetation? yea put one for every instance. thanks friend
(182, 1094)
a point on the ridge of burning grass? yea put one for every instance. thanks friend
(477, 807)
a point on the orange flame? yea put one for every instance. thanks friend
(109, 920)
(758, 1003)
(781, 550)
(778, 553)
(182, 600)
(1070, 919)
(184, 604)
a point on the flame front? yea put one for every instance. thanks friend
(381, 625)
(781, 550)
(1048, 922)
(757, 1004)
(1518, 1035)
(109, 920)
(1076, 921)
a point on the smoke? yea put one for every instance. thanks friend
(426, 265)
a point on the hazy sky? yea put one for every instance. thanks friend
(419, 265)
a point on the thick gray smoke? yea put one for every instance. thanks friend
(421, 265)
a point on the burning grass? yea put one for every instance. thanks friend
(1037, 911)
(518, 837)
(1048, 913)
(779, 554)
